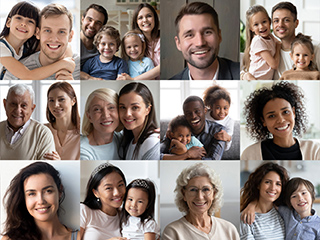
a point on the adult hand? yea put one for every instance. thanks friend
(52, 156)
(248, 214)
(222, 136)
(69, 64)
(124, 76)
(64, 75)
(248, 76)
(196, 152)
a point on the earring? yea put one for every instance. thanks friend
(98, 199)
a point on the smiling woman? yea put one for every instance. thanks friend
(32, 203)
(273, 116)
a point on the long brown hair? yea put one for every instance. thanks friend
(250, 191)
(68, 89)
(249, 34)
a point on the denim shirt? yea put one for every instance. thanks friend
(307, 228)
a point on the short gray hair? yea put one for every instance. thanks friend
(20, 89)
(198, 170)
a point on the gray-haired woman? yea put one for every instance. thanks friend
(199, 194)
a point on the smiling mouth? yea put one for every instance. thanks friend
(302, 204)
(119, 199)
(271, 194)
(283, 128)
(194, 122)
(200, 52)
(128, 120)
(54, 47)
(281, 30)
(106, 123)
(42, 210)
(200, 204)
(22, 30)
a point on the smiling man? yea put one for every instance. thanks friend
(198, 38)
(204, 130)
(54, 33)
(21, 137)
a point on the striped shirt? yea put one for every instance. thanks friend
(267, 226)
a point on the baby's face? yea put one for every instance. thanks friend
(107, 47)
(182, 134)
(301, 201)
(220, 109)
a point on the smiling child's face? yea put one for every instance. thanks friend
(301, 201)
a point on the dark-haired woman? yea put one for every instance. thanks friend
(32, 203)
(99, 212)
(272, 117)
(138, 116)
(264, 186)
(64, 121)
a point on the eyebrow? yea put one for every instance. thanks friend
(275, 111)
(33, 190)
(109, 184)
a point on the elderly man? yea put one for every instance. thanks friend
(94, 17)
(204, 130)
(54, 32)
(198, 38)
(21, 137)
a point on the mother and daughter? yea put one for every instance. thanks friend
(276, 207)
(101, 215)
(104, 110)
(18, 40)
(262, 52)
(140, 49)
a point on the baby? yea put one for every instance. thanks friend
(181, 138)
(106, 65)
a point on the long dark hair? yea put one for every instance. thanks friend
(250, 190)
(94, 181)
(68, 89)
(155, 33)
(147, 186)
(20, 225)
(150, 123)
(25, 9)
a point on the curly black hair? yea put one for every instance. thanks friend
(256, 101)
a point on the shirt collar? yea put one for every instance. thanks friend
(21, 130)
(306, 219)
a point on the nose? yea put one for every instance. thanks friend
(105, 113)
(91, 24)
(41, 199)
(280, 118)
(116, 191)
(199, 39)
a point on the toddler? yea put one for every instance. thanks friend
(137, 216)
(262, 53)
(217, 100)
(106, 65)
(133, 48)
(302, 54)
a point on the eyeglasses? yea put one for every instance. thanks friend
(193, 191)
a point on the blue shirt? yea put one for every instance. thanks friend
(108, 71)
(307, 228)
(136, 68)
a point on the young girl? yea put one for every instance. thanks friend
(18, 40)
(137, 216)
(262, 53)
(274, 117)
(106, 65)
(217, 100)
(302, 54)
(133, 47)
(300, 220)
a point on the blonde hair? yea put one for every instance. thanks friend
(305, 41)
(138, 34)
(107, 31)
(104, 94)
(249, 34)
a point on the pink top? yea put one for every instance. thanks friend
(70, 148)
(259, 68)
(154, 50)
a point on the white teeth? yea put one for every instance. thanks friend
(199, 52)
(106, 123)
(273, 194)
(199, 204)
(129, 120)
(195, 121)
(283, 128)
(53, 46)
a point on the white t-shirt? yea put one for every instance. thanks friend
(98, 225)
(151, 144)
(5, 51)
(134, 230)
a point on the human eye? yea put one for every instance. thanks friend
(140, 201)
(275, 21)
(286, 112)
(271, 116)
(206, 189)
(61, 99)
(129, 199)
(293, 196)
(121, 185)
(279, 184)
(140, 17)
(109, 189)
(208, 32)
(47, 31)
(31, 194)
(135, 108)
(193, 189)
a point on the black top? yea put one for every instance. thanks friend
(271, 151)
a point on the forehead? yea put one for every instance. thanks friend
(132, 38)
(25, 97)
(137, 192)
(39, 180)
(94, 14)
(196, 22)
(301, 48)
(198, 181)
(191, 106)
(182, 129)
(282, 13)
(259, 16)
(55, 22)
(111, 179)
(272, 175)
(145, 11)
(130, 97)
(107, 38)
(276, 103)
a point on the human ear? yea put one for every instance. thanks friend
(176, 38)
(263, 122)
(294, 111)
(312, 57)
(4, 103)
(96, 193)
(291, 55)
(73, 101)
(38, 33)
(8, 23)
(148, 109)
(33, 107)
(70, 36)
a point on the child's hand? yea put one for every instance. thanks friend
(64, 75)
(222, 136)
(69, 64)
(52, 156)
(177, 147)
(124, 76)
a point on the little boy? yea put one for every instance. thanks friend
(106, 65)
(180, 134)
